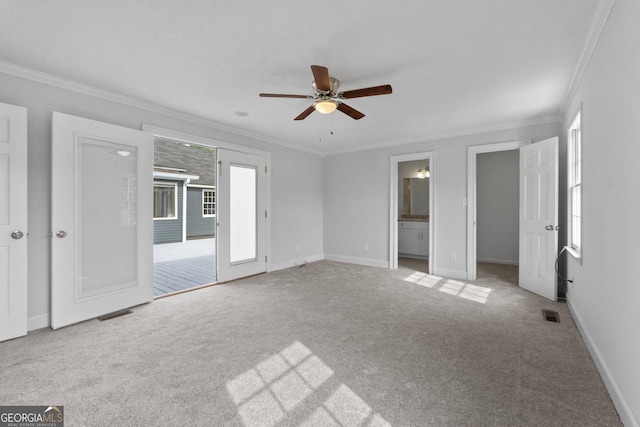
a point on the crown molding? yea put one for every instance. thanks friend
(67, 84)
(59, 82)
(598, 21)
(455, 134)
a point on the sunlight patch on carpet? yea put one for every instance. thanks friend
(422, 279)
(278, 385)
(457, 288)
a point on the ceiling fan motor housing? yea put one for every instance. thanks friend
(334, 85)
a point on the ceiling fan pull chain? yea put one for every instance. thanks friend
(331, 124)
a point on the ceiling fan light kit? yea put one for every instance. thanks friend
(325, 106)
(326, 97)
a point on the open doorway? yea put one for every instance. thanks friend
(497, 215)
(493, 209)
(184, 216)
(412, 212)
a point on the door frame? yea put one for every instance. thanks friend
(393, 205)
(160, 132)
(472, 152)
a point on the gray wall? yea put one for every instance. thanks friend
(356, 208)
(296, 176)
(497, 206)
(197, 225)
(169, 230)
(605, 294)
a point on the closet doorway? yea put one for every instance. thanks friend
(493, 204)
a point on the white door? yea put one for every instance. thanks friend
(539, 217)
(13, 221)
(241, 215)
(102, 229)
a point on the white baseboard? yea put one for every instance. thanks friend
(619, 401)
(296, 262)
(410, 256)
(355, 260)
(497, 261)
(452, 274)
(38, 322)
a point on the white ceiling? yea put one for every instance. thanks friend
(456, 67)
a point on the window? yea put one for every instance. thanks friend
(165, 200)
(208, 203)
(574, 181)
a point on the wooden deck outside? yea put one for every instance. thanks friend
(180, 266)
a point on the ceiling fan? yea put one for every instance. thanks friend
(326, 96)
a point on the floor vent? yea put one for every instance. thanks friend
(114, 315)
(550, 316)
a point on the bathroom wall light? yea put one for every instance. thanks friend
(424, 173)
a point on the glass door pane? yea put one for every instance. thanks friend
(107, 217)
(244, 214)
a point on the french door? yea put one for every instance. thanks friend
(102, 231)
(241, 215)
(539, 217)
(13, 221)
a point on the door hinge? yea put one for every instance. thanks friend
(265, 258)
(265, 214)
(265, 169)
(220, 167)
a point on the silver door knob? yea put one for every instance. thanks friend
(17, 235)
(61, 234)
(549, 228)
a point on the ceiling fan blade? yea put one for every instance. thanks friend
(282, 95)
(351, 112)
(305, 113)
(367, 91)
(321, 76)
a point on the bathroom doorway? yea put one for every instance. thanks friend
(412, 237)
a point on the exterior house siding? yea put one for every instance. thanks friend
(176, 161)
(197, 225)
(169, 230)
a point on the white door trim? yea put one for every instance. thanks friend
(393, 205)
(161, 132)
(472, 152)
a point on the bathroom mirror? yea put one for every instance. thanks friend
(415, 196)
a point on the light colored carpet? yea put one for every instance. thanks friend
(329, 344)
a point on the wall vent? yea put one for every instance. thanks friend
(114, 315)
(550, 316)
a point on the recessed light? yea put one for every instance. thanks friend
(242, 113)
